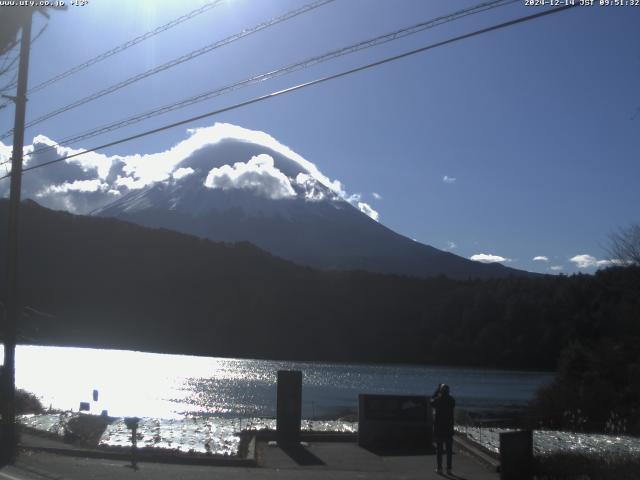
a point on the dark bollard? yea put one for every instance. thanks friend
(516, 455)
(289, 407)
(132, 424)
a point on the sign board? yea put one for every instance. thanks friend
(516, 455)
(394, 420)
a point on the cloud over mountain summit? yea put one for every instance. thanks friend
(90, 181)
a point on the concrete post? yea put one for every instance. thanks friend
(289, 406)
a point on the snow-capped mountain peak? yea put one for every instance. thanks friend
(239, 189)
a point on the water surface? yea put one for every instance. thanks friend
(177, 386)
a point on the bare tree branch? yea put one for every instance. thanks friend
(624, 244)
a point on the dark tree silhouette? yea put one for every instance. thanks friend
(111, 284)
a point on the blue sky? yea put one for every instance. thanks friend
(533, 126)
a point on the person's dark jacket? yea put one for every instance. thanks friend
(443, 403)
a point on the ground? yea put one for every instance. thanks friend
(319, 460)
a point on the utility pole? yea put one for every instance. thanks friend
(8, 379)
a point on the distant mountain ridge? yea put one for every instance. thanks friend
(311, 225)
(106, 283)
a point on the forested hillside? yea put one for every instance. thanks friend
(109, 283)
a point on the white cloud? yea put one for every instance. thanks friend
(311, 190)
(556, 268)
(354, 199)
(130, 183)
(222, 131)
(258, 174)
(77, 186)
(589, 261)
(182, 172)
(145, 169)
(377, 196)
(584, 261)
(5, 153)
(447, 179)
(451, 245)
(92, 161)
(488, 258)
(120, 174)
(540, 258)
(367, 210)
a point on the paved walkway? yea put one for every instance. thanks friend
(319, 460)
(348, 460)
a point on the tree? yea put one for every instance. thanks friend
(624, 245)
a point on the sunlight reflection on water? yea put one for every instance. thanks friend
(175, 386)
(201, 403)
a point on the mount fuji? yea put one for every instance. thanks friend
(235, 189)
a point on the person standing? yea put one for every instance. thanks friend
(443, 404)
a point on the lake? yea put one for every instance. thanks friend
(178, 386)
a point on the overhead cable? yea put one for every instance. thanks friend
(309, 62)
(301, 86)
(128, 44)
(184, 58)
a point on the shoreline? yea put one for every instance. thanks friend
(199, 436)
(225, 437)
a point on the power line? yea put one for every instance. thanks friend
(128, 44)
(119, 48)
(8, 86)
(184, 58)
(305, 85)
(7, 55)
(365, 44)
(14, 80)
(102, 56)
(9, 66)
(8, 47)
(6, 68)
